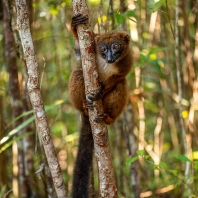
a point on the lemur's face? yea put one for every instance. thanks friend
(112, 46)
(111, 51)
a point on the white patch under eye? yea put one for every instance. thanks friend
(105, 70)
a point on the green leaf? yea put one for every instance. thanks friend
(9, 143)
(54, 10)
(158, 5)
(196, 165)
(174, 172)
(183, 158)
(132, 159)
(47, 108)
(120, 18)
(16, 130)
(20, 116)
(58, 102)
(163, 165)
(146, 156)
(154, 50)
(2, 191)
(26, 122)
(130, 13)
(178, 183)
(156, 167)
(140, 153)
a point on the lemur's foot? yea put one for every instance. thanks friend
(100, 117)
(95, 96)
(89, 104)
(79, 19)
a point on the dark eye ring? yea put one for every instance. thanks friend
(116, 46)
(103, 49)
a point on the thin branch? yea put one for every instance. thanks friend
(169, 19)
(35, 97)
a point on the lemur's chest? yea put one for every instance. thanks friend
(105, 70)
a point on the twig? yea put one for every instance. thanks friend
(44, 64)
(7, 193)
(169, 18)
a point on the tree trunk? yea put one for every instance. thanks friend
(107, 187)
(35, 97)
(16, 103)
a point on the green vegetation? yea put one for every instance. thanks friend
(148, 137)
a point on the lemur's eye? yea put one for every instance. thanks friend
(116, 46)
(103, 49)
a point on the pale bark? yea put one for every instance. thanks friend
(28, 141)
(35, 97)
(107, 187)
(179, 84)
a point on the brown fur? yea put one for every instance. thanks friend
(112, 76)
(114, 99)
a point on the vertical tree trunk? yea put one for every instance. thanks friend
(128, 127)
(123, 8)
(16, 103)
(179, 84)
(107, 187)
(111, 13)
(28, 141)
(35, 96)
(132, 146)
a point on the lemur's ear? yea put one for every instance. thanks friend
(125, 36)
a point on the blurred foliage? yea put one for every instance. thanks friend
(152, 83)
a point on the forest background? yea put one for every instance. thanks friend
(154, 143)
